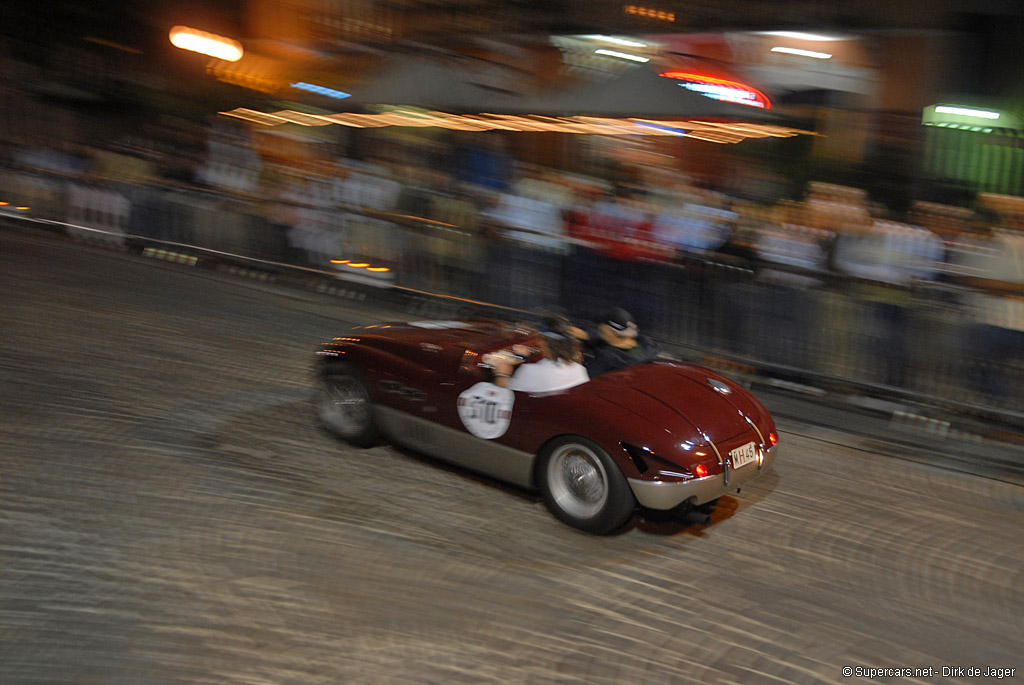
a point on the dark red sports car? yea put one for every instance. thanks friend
(662, 435)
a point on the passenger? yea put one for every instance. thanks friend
(616, 344)
(559, 369)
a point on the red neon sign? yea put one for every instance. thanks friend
(721, 89)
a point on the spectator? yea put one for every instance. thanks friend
(887, 256)
(696, 228)
(483, 160)
(998, 304)
(792, 260)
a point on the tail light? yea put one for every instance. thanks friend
(700, 470)
(772, 438)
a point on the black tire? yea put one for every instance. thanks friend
(344, 405)
(583, 487)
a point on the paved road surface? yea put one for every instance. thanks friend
(170, 513)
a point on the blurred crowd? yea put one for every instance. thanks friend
(833, 237)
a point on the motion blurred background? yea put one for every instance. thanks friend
(826, 192)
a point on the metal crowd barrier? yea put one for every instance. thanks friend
(835, 332)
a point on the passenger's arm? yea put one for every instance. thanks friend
(503, 364)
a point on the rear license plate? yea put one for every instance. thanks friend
(741, 456)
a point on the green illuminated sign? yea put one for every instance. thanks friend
(968, 118)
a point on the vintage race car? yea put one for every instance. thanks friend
(664, 435)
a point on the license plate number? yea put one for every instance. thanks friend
(741, 456)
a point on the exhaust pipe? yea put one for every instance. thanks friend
(696, 517)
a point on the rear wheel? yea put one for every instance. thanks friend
(583, 487)
(343, 405)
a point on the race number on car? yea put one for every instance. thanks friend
(486, 410)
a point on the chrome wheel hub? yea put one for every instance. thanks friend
(344, 404)
(577, 480)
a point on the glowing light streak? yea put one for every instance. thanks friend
(649, 12)
(670, 130)
(800, 35)
(802, 53)
(304, 119)
(362, 265)
(206, 43)
(622, 55)
(321, 90)
(724, 93)
(720, 89)
(256, 117)
(713, 137)
(967, 112)
(719, 131)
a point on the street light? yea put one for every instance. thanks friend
(206, 43)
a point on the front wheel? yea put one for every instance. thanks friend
(343, 405)
(583, 487)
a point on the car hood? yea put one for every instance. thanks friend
(681, 399)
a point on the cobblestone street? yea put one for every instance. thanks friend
(171, 513)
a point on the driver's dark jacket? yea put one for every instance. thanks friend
(608, 358)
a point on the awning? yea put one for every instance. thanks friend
(455, 86)
(433, 85)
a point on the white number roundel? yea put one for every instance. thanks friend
(486, 410)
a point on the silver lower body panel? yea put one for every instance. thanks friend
(457, 447)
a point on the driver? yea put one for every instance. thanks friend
(617, 343)
(560, 368)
